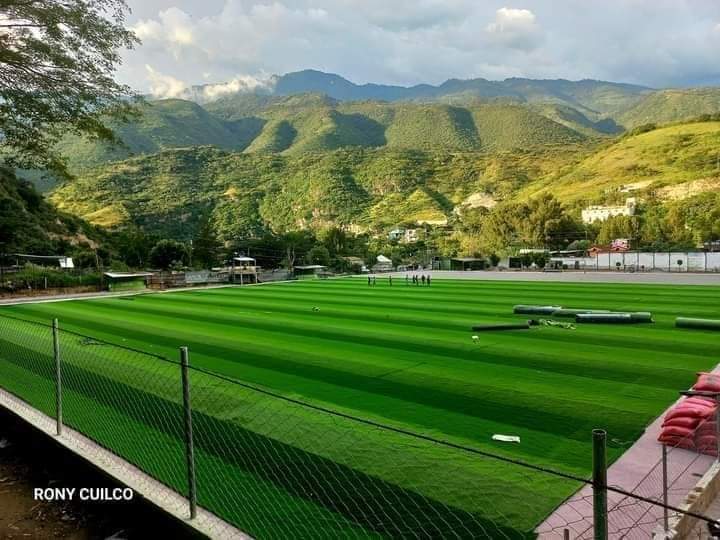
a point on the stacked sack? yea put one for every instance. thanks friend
(691, 424)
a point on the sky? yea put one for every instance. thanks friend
(657, 43)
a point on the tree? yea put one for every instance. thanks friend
(12, 224)
(294, 242)
(168, 253)
(335, 240)
(57, 62)
(318, 255)
(206, 246)
(134, 247)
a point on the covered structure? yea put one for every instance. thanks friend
(66, 263)
(467, 263)
(310, 270)
(383, 264)
(127, 281)
(244, 270)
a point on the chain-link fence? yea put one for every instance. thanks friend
(275, 467)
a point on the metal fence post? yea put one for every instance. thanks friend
(666, 519)
(189, 447)
(600, 514)
(58, 377)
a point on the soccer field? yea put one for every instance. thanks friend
(403, 355)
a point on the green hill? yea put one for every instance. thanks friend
(645, 164)
(324, 126)
(29, 224)
(574, 119)
(375, 188)
(316, 123)
(668, 106)
(163, 124)
(169, 191)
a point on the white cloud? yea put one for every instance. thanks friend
(240, 83)
(164, 86)
(174, 28)
(653, 42)
(515, 28)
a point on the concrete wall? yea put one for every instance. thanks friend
(658, 261)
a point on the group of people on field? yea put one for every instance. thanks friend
(416, 280)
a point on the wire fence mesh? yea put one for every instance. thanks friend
(276, 467)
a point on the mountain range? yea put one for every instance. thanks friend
(313, 149)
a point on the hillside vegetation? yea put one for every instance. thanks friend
(668, 106)
(163, 124)
(375, 188)
(317, 123)
(647, 164)
(244, 192)
(29, 224)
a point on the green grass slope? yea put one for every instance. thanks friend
(667, 106)
(666, 156)
(399, 355)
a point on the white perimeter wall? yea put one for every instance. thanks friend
(663, 261)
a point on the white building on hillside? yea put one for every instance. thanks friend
(603, 213)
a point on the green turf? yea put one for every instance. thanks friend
(402, 355)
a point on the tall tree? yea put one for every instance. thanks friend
(57, 64)
(168, 253)
(206, 246)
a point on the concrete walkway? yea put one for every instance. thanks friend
(638, 471)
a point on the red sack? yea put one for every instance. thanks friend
(689, 411)
(707, 428)
(707, 382)
(705, 441)
(689, 422)
(677, 442)
(676, 431)
(702, 401)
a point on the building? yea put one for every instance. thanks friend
(127, 281)
(356, 263)
(383, 264)
(410, 237)
(396, 234)
(592, 214)
(467, 263)
(244, 270)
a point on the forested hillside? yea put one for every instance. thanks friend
(246, 192)
(29, 224)
(317, 123)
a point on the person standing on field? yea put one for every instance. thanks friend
(390, 280)
(407, 280)
(428, 280)
(423, 279)
(369, 282)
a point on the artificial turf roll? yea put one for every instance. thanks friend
(571, 312)
(615, 317)
(491, 327)
(605, 318)
(535, 310)
(697, 324)
(641, 317)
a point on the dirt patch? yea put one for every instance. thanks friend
(29, 459)
(688, 189)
